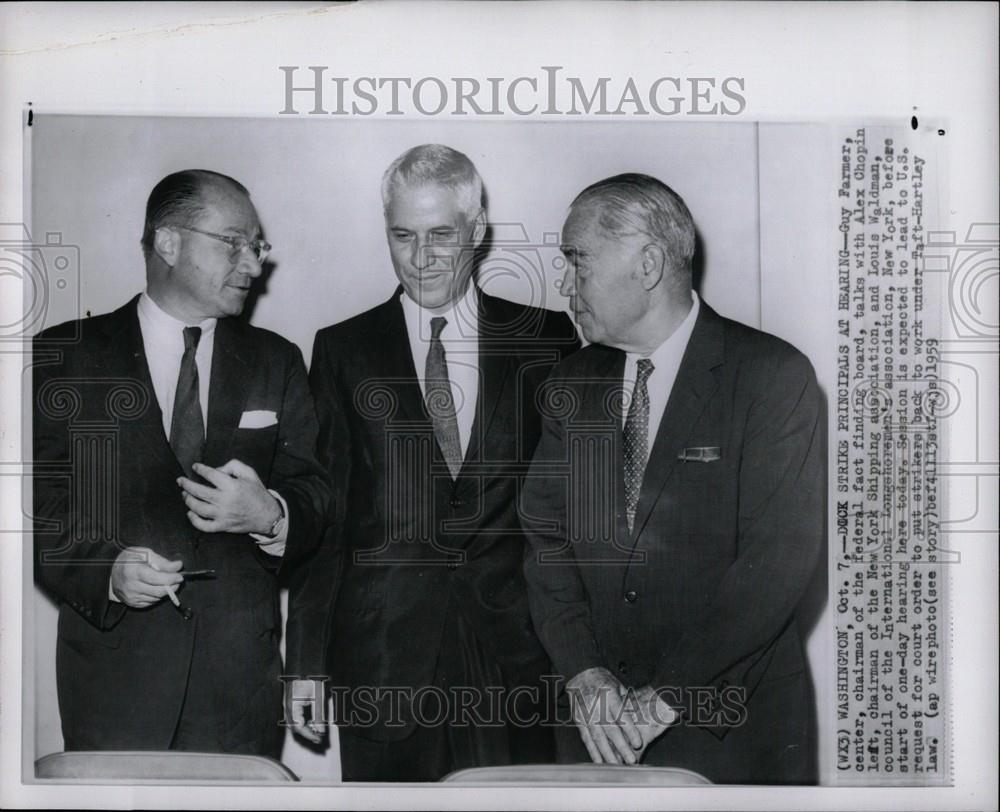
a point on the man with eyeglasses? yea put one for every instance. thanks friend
(175, 480)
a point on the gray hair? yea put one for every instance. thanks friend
(639, 204)
(179, 199)
(435, 164)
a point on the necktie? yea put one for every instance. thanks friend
(637, 438)
(440, 403)
(187, 427)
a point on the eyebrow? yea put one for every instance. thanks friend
(239, 232)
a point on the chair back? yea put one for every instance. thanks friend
(173, 765)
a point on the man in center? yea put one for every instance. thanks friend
(428, 423)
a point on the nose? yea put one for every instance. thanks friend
(420, 254)
(567, 287)
(249, 264)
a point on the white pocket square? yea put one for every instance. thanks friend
(258, 419)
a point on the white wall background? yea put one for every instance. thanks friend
(758, 195)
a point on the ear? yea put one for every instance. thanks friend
(167, 245)
(653, 265)
(478, 228)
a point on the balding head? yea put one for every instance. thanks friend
(631, 204)
(181, 198)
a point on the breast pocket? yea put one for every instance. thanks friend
(256, 447)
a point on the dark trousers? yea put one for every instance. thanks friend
(431, 751)
(222, 714)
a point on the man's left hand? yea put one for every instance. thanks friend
(234, 501)
(651, 715)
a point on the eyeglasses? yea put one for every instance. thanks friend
(259, 248)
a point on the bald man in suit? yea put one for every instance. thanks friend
(674, 510)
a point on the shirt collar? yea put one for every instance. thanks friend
(676, 343)
(162, 326)
(464, 312)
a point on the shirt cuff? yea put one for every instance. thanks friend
(275, 545)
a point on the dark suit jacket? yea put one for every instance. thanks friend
(702, 594)
(105, 479)
(409, 541)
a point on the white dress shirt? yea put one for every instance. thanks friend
(163, 340)
(666, 362)
(460, 338)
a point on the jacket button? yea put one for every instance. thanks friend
(631, 596)
(453, 565)
(457, 503)
(623, 667)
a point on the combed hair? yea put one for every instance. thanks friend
(437, 164)
(639, 204)
(179, 200)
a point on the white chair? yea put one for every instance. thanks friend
(155, 766)
(577, 774)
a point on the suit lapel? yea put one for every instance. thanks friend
(128, 353)
(392, 362)
(495, 359)
(232, 375)
(605, 408)
(695, 384)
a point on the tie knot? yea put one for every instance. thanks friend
(437, 325)
(643, 369)
(192, 335)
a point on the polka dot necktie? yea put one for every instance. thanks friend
(440, 402)
(637, 438)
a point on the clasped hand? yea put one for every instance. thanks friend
(234, 501)
(616, 723)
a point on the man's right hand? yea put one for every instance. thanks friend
(608, 730)
(299, 694)
(140, 577)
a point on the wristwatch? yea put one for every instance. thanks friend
(276, 526)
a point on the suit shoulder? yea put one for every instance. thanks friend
(527, 321)
(584, 361)
(767, 356)
(269, 343)
(82, 329)
(357, 326)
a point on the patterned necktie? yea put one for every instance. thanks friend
(187, 426)
(637, 438)
(440, 403)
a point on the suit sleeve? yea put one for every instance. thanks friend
(780, 520)
(73, 554)
(296, 473)
(560, 607)
(313, 583)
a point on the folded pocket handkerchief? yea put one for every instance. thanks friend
(709, 453)
(258, 419)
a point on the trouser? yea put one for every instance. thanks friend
(431, 751)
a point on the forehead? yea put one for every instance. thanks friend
(582, 228)
(426, 204)
(228, 210)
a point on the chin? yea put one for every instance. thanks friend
(433, 298)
